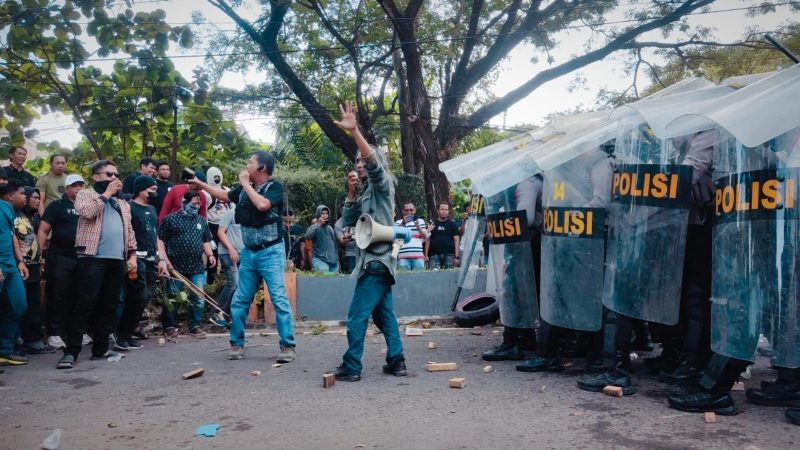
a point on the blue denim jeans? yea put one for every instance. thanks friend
(411, 264)
(318, 265)
(195, 314)
(372, 296)
(254, 266)
(442, 261)
(12, 307)
(231, 272)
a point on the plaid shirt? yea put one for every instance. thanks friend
(90, 207)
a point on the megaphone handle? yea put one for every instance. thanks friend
(396, 244)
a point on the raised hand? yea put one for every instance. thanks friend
(348, 121)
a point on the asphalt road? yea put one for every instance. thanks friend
(141, 402)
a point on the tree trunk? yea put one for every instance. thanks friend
(407, 144)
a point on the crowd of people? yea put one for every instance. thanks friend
(105, 248)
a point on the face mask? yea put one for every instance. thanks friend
(152, 196)
(101, 186)
(191, 208)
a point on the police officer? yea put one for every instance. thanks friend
(519, 301)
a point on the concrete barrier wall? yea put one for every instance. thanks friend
(415, 294)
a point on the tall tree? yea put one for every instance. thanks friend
(440, 55)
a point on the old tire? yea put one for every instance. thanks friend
(477, 310)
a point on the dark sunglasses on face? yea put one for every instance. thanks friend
(288, 214)
(110, 174)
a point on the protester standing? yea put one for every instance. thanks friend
(187, 242)
(370, 189)
(105, 245)
(12, 274)
(231, 246)
(51, 185)
(259, 201)
(56, 237)
(147, 167)
(173, 202)
(293, 240)
(25, 226)
(325, 257)
(412, 255)
(162, 175)
(442, 249)
(139, 289)
(15, 171)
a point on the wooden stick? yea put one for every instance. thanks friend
(197, 291)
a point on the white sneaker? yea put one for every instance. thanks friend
(56, 342)
(86, 340)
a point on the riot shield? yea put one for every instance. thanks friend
(755, 237)
(472, 242)
(648, 218)
(756, 252)
(510, 259)
(574, 200)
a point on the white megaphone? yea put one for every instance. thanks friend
(369, 232)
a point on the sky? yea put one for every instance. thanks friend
(553, 97)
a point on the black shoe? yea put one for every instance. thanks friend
(721, 404)
(793, 414)
(505, 352)
(777, 394)
(541, 364)
(683, 375)
(397, 369)
(596, 383)
(342, 375)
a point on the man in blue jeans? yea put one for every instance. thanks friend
(12, 273)
(186, 239)
(370, 189)
(259, 202)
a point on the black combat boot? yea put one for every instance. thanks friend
(396, 368)
(542, 364)
(704, 401)
(504, 352)
(617, 376)
(776, 394)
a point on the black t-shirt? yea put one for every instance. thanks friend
(23, 178)
(162, 188)
(442, 235)
(144, 220)
(248, 216)
(63, 219)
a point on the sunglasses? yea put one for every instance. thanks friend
(110, 174)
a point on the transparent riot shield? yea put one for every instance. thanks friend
(756, 248)
(510, 259)
(574, 200)
(472, 242)
(648, 219)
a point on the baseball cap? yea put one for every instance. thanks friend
(72, 179)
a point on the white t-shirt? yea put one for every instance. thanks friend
(412, 249)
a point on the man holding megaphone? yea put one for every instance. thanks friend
(370, 207)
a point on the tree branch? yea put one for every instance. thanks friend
(267, 40)
(486, 112)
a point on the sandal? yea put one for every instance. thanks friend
(66, 362)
